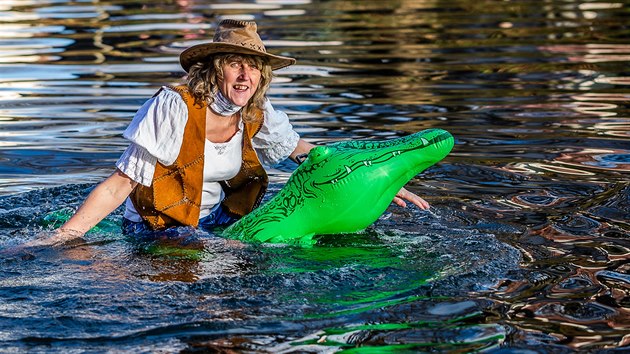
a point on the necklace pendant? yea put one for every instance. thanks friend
(220, 148)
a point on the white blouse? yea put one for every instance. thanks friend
(156, 134)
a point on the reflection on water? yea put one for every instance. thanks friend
(536, 94)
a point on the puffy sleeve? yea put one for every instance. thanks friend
(138, 164)
(276, 139)
(158, 126)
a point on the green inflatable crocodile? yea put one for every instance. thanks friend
(341, 188)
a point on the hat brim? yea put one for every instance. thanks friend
(200, 52)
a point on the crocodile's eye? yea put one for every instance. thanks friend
(318, 154)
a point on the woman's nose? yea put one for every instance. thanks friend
(244, 72)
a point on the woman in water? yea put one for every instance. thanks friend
(196, 151)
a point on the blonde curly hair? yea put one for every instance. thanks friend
(204, 78)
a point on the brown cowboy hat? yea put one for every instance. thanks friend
(233, 36)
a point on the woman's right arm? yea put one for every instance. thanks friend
(107, 196)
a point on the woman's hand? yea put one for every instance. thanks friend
(404, 194)
(302, 148)
(58, 237)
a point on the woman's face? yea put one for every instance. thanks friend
(240, 80)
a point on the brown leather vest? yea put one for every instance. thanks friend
(174, 197)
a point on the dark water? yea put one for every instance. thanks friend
(527, 245)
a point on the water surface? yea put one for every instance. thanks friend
(527, 243)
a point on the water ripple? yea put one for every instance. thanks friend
(536, 97)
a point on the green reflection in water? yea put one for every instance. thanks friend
(462, 336)
(55, 219)
(361, 273)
